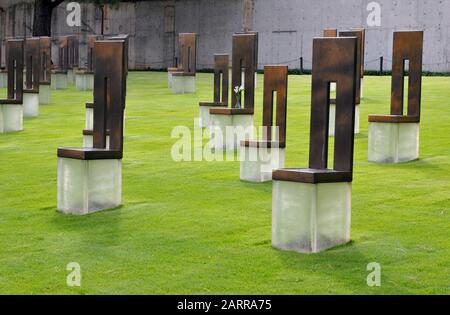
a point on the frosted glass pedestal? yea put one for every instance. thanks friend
(88, 141)
(331, 126)
(30, 104)
(70, 76)
(44, 94)
(205, 117)
(183, 84)
(310, 218)
(11, 118)
(362, 88)
(59, 81)
(3, 79)
(393, 142)
(86, 186)
(227, 131)
(84, 81)
(169, 79)
(89, 118)
(257, 164)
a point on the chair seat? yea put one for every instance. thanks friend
(59, 71)
(183, 74)
(262, 144)
(394, 118)
(218, 104)
(44, 83)
(89, 153)
(11, 102)
(311, 176)
(31, 91)
(88, 132)
(89, 105)
(231, 111)
(83, 71)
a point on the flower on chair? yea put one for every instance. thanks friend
(238, 90)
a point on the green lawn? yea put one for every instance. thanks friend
(194, 227)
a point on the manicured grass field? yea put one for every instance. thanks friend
(194, 227)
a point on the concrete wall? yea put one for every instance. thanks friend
(286, 27)
(286, 30)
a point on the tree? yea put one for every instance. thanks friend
(42, 21)
(43, 9)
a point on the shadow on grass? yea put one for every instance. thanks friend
(361, 135)
(421, 164)
(339, 264)
(94, 229)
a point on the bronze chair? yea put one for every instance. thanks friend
(220, 98)
(11, 108)
(96, 172)
(334, 60)
(311, 207)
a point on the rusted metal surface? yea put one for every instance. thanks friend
(358, 34)
(231, 111)
(221, 81)
(394, 118)
(221, 72)
(109, 103)
(63, 54)
(2, 45)
(330, 32)
(244, 57)
(73, 51)
(90, 53)
(14, 66)
(109, 81)
(408, 45)
(275, 80)
(125, 39)
(188, 43)
(45, 60)
(32, 64)
(363, 49)
(187, 51)
(334, 60)
(256, 34)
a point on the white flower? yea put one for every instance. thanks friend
(238, 89)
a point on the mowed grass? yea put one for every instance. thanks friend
(194, 227)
